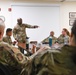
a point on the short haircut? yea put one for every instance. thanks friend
(8, 30)
(52, 32)
(19, 19)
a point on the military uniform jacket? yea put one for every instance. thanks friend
(46, 40)
(7, 39)
(19, 32)
(61, 39)
(13, 58)
(64, 62)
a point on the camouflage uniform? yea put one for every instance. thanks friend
(64, 62)
(61, 39)
(7, 39)
(19, 32)
(13, 58)
(46, 40)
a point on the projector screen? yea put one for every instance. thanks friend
(44, 15)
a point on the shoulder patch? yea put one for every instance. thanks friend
(19, 56)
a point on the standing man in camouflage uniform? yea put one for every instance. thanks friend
(46, 40)
(40, 64)
(19, 33)
(12, 58)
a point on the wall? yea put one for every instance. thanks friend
(65, 8)
(4, 5)
(42, 15)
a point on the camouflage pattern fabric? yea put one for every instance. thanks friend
(61, 39)
(19, 32)
(12, 57)
(64, 63)
(7, 39)
(46, 40)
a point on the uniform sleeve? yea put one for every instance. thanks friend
(40, 64)
(60, 57)
(6, 57)
(60, 39)
(43, 64)
(14, 33)
(46, 40)
(28, 26)
(4, 39)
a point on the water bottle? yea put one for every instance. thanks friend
(50, 41)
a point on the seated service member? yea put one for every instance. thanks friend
(46, 40)
(12, 57)
(64, 62)
(7, 37)
(64, 37)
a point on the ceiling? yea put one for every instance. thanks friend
(41, 0)
(49, 0)
(62, 0)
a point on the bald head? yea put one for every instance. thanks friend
(52, 33)
(19, 20)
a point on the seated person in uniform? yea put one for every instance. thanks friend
(43, 62)
(46, 40)
(49, 62)
(60, 63)
(64, 37)
(11, 57)
(7, 37)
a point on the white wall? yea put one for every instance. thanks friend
(4, 5)
(65, 8)
(38, 14)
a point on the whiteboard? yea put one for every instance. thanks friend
(45, 16)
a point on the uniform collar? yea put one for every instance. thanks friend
(8, 36)
(19, 24)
